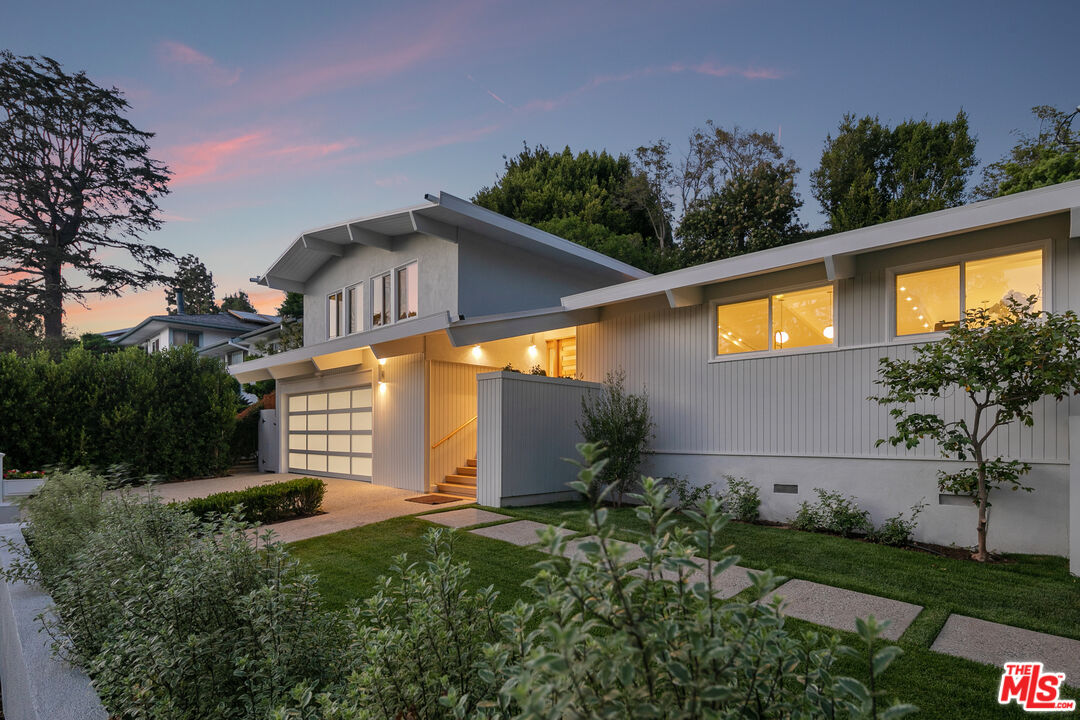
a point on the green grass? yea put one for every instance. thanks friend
(1034, 591)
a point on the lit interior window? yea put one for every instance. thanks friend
(803, 318)
(927, 301)
(742, 327)
(987, 283)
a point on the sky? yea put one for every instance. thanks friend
(275, 117)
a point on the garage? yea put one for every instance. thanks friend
(329, 432)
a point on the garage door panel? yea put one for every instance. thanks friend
(331, 432)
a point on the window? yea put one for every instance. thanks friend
(155, 346)
(801, 318)
(182, 337)
(380, 301)
(236, 357)
(407, 292)
(562, 357)
(932, 300)
(356, 307)
(333, 315)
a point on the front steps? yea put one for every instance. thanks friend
(462, 482)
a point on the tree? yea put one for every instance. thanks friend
(579, 197)
(77, 184)
(292, 306)
(716, 155)
(1003, 359)
(870, 174)
(621, 422)
(750, 213)
(97, 344)
(649, 188)
(238, 301)
(1049, 157)
(198, 285)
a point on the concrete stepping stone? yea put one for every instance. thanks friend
(466, 517)
(996, 644)
(838, 608)
(572, 550)
(520, 533)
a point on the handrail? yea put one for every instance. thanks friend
(454, 432)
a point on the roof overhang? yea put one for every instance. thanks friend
(444, 217)
(838, 252)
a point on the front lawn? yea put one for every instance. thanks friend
(1034, 592)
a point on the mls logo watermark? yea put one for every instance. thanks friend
(1033, 689)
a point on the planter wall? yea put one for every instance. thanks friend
(36, 685)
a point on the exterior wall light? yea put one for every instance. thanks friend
(477, 352)
(382, 361)
(533, 352)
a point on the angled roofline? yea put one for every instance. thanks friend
(683, 287)
(181, 320)
(328, 241)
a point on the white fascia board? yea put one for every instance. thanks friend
(980, 215)
(499, 327)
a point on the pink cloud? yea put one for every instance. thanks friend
(713, 70)
(178, 54)
(212, 160)
(392, 181)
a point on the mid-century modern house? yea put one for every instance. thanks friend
(757, 366)
(231, 335)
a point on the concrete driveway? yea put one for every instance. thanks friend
(348, 503)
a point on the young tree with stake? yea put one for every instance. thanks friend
(1004, 359)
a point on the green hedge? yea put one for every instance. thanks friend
(170, 413)
(265, 503)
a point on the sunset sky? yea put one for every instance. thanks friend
(279, 116)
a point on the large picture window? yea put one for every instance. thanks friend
(408, 295)
(933, 300)
(784, 321)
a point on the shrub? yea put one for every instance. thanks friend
(607, 637)
(169, 413)
(621, 422)
(174, 617)
(245, 436)
(264, 503)
(689, 496)
(898, 530)
(742, 499)
(833, 513)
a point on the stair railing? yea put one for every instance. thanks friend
(455, 431)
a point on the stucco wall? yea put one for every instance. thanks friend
(436, 274)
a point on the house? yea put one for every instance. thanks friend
(757, 366)
(261, 340)
(210, 332)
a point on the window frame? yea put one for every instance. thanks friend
(340, 292)
(371, 299)
(714, 356)
(347, 308)
(961, 260)
(394, 291)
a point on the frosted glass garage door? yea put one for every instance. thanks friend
(329, 433)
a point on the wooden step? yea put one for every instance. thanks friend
(471, 462)
(461, 479)
(468, 470)
(448, 488)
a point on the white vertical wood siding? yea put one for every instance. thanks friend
(400, 437)
(807, 404)
(527, 425)
(451, 402)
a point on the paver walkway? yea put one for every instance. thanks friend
(837, 608)
(997, 644)
(465, 517)
(834, 607)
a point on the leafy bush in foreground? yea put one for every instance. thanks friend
(608, 637)
(264, 503)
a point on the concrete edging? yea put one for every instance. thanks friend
(36, 684)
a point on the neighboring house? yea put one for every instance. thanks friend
(757, 366)
(217, 330)
(262, 340)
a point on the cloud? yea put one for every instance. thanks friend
(392, 181)
(180, 55)
(704, 68)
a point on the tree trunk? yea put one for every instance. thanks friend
(980, 553)
(52, 312)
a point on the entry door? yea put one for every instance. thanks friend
(330, 433)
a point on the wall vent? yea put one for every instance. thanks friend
(789, 489)
(948, 499)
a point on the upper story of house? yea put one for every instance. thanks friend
(442, 262)
(161, 332)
